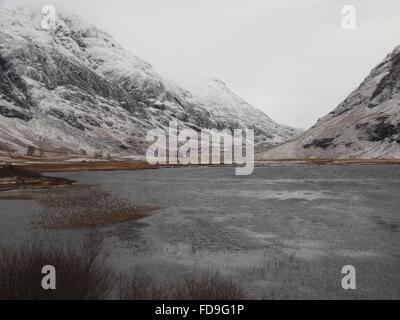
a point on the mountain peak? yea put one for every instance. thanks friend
(75, 90)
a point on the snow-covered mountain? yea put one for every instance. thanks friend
(75, 90)
(365, 125)
(225, 106)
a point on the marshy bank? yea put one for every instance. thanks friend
(86, 206)
(80, 206)
(83, 273)
(15, 177)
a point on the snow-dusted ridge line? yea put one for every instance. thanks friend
(75, 90)
(366, 125)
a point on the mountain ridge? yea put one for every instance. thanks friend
(75, 90)
(366, 125)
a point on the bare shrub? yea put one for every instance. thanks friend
(209, 286)
(87, 206)
(141, 286)
(80, 274)
(206, 286)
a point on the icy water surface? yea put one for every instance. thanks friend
(283, 232)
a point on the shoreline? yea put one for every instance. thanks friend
(142, 165)
(49, 182)
(330, 161)
(41, 183)
(48, 166)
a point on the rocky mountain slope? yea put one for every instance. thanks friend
(75, 90)
(365, 125)
(224, 105)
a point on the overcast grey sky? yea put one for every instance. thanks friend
(291, 59)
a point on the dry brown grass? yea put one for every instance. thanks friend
(204, 286)
(88, 166)
(17, 177)
(10, 171)
(209, 286)
(141, 286)
(80, 274)
(60, 166)
(85, 207)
